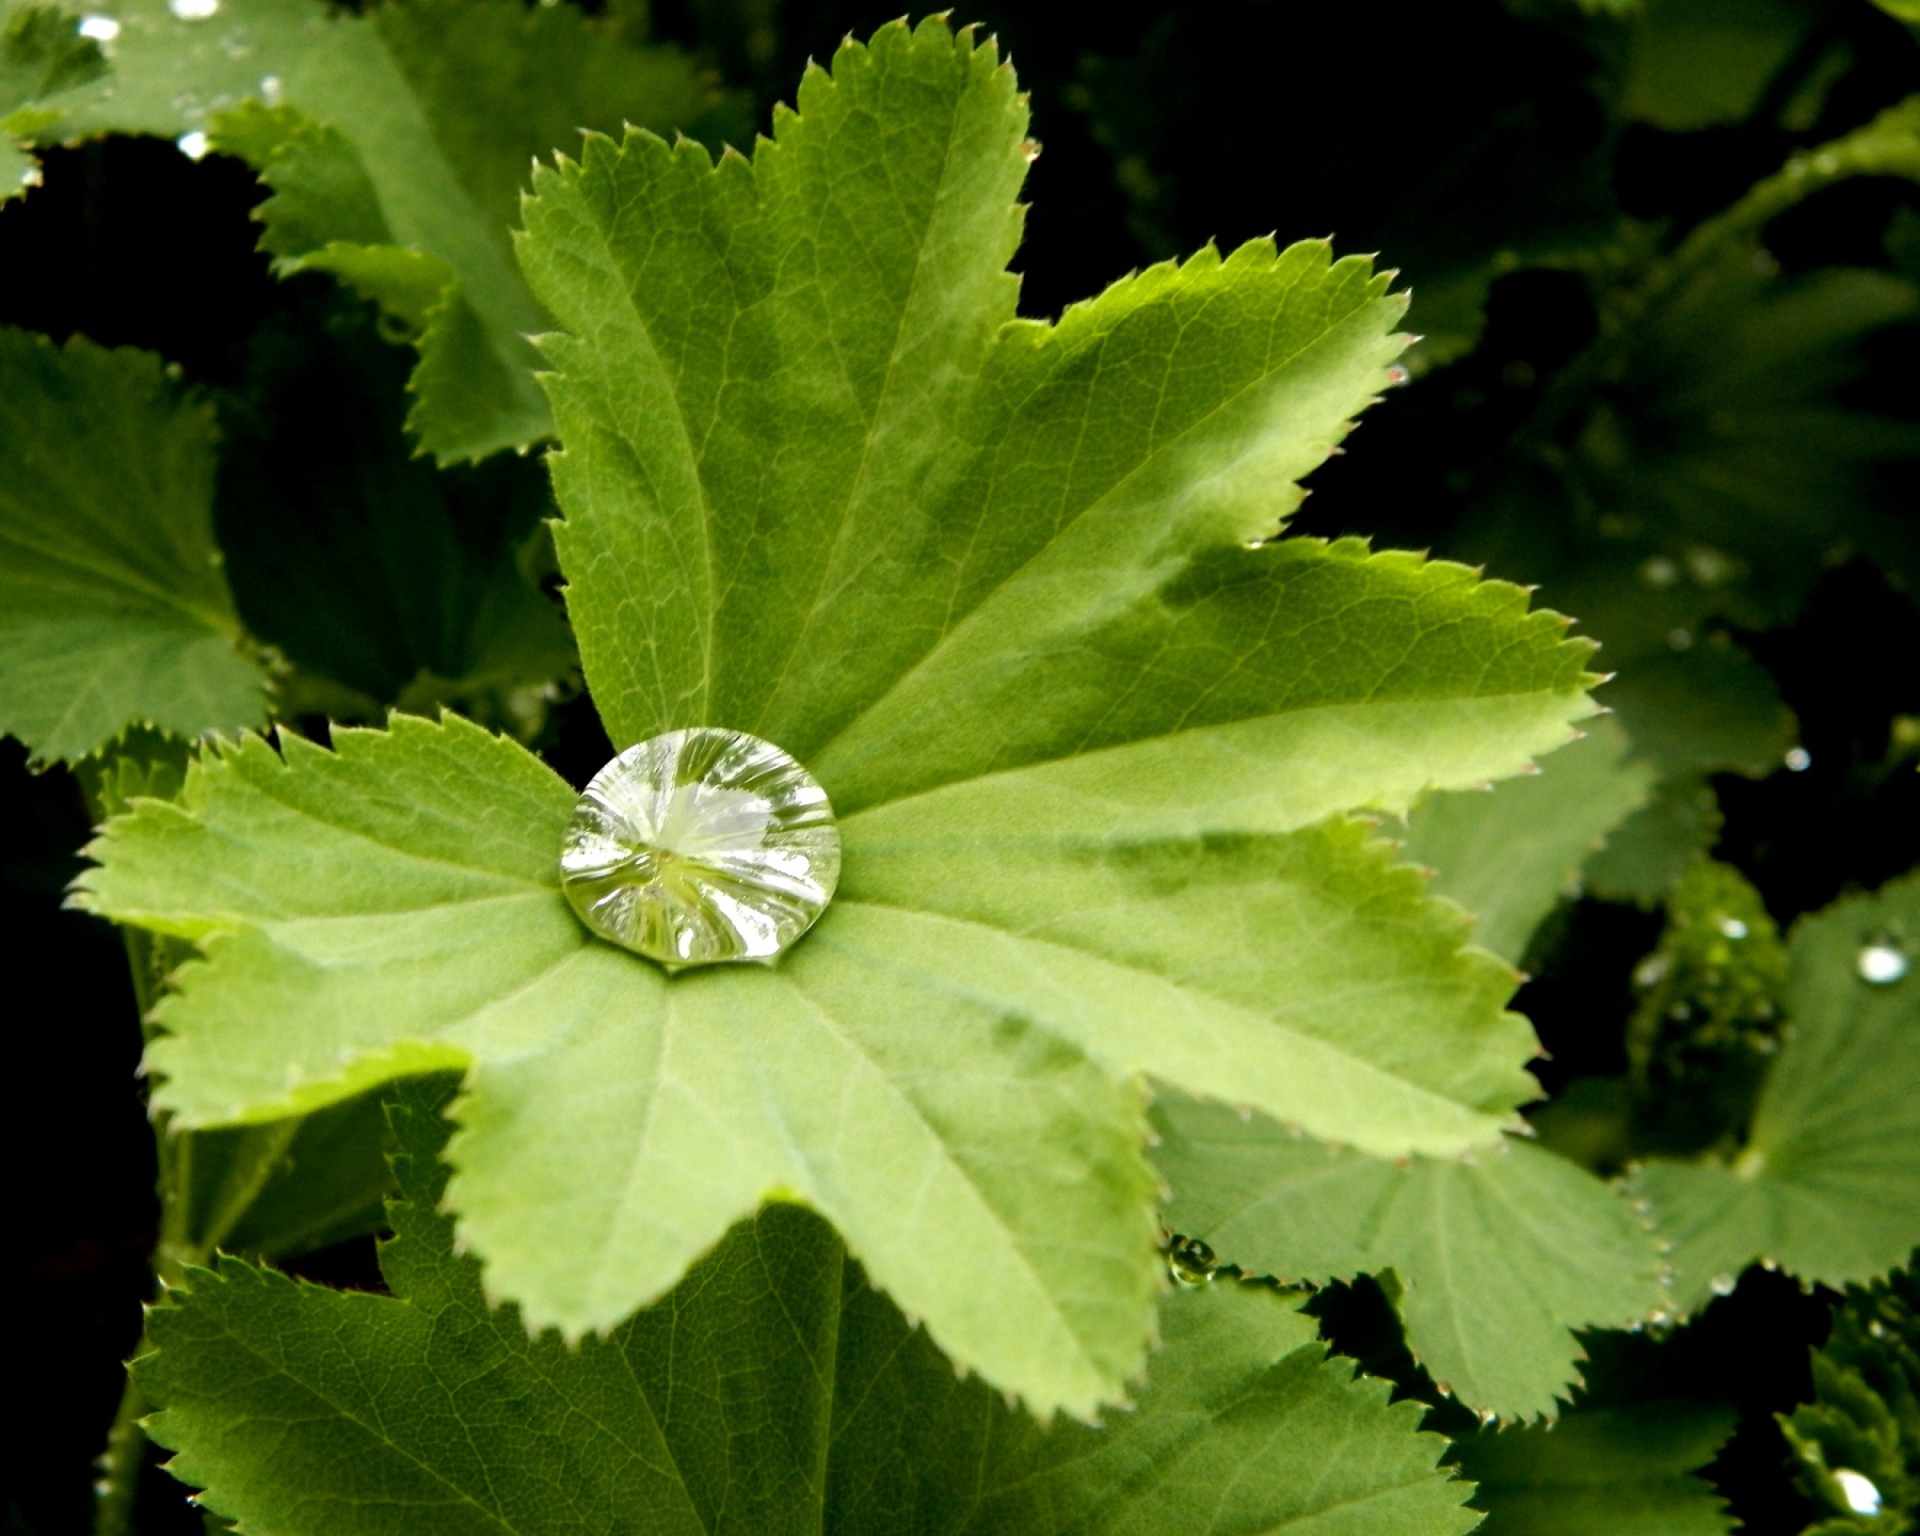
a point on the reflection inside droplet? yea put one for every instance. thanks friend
(101, 29)
(193, 10)
(193, 145)
(701, 846)
(1881, 963)
(1858, 1490)
(1189, 1260)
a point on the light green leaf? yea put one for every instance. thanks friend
(113, 608)
(774, 1391)
(1625, 1471)
(1090, 755)
(396, 143)
(1828, 1185)
(1508, 857)
(1498, 1258)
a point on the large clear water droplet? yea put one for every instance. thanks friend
(1881, 962)
(701, 846)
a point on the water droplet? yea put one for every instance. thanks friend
(1190, 1261)
(1733, 928)
(193, 145)
(1396, 375)
(1881, 962)
(193, 10)
(1651, 971)
(1487, 1417)
(1798, 760)
(1659, 572)
(32, 177)
(1680, 639)
(271, 90)
(1722, 1285)
(1708, 566)
(101, 29)
(1858, 1490)
(701, 846)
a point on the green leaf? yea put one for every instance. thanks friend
(113, 608)
(1090, 755)
(396, 143)
(1510, 856)
(1498, 1259)
(774, 1391)
(417, 584)
(1653, 847)
(1828, 1185)
(41, 52)
(1748, 44)
(1626, 1471)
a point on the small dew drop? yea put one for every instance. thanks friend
(1189, 1261)
(1486, 1417)
(272, 92)
(1708, 566)
(1650, 971)
(101, 29)
(1680, 639)
(193, 145)
(1881, 962)
(1397, 375)
(32, 177)
(1732, 928)
(193, 10)
(1858, 1490)
(1722, 1285)
(1798, 760)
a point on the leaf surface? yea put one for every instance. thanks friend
(1828, 1185)
(1093, 757)
(1509, 856)
(1498, 1259)
(396, 144)
(1626, 1471)
(774, 1390)
(113, 607)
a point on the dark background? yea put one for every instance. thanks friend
(1427, 132)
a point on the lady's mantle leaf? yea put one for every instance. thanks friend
(1627, 1472)
(113, 608)
(1088, 750)
(1499, 1259)
(1828, 1186)
(1509, 857)
(774, 1390)
(396, 144)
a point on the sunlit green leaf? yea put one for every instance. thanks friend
(773, 1391)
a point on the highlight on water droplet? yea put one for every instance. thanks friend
(1858, 1490)
(1798, 760)
(1190, 1261)
(193, 10)
(271, 90)
(32, 177)
(101, 29)
(193, 145)
(701, 846)
(1732, 928)
(1881, 962)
